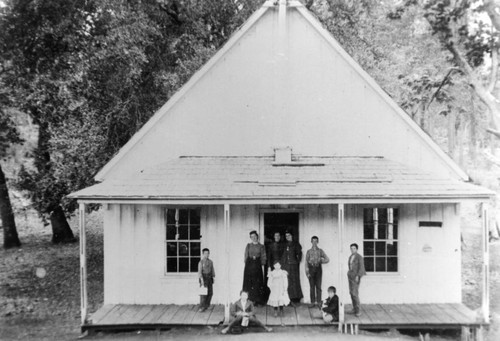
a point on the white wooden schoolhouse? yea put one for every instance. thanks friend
(281, 129)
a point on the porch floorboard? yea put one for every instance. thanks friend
(373, 316)
(413, 316)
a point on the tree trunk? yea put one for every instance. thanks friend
(430, 124)
(492, 8)
(493, 145)
(423, 116)
(473, 143)
(481, 91)
(452, 135)
(10, 237)
(460, 133)
(61, 232)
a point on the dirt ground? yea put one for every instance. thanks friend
(40, 292)
(280, 333)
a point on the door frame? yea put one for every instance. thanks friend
(263, 211)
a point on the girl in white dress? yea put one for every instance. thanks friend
(278, 283)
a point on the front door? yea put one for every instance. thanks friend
(280, 222)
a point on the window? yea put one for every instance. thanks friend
(183, 240)
(380, 239)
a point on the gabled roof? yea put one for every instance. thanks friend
(232, 178)
(234, 41)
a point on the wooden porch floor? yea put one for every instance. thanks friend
(373, 316)
(412, 316)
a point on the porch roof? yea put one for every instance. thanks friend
(233, 178)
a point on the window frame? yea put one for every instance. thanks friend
(398, 240)
(188, 274)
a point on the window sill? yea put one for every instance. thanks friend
(392, 277)
(179, 276)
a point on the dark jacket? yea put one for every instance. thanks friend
(292, 253)
(274, 253)
(331, 306)
(358, 265)
(206, 271)
(237, 307)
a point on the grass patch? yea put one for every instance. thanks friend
(40, 287)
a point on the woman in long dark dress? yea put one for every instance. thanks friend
(275, 251)
(290, 261)
(253, 279)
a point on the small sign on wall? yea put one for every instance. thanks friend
(430, 224)
(427, 248)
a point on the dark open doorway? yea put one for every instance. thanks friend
(280, 222)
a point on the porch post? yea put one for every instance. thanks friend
(83, 264)
(227, 302)
(341, 261)
(485, 302)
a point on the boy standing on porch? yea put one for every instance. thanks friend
(356, 271)
(206, 274)
(314, 258)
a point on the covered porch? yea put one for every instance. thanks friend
(373, 316)
(233, 194)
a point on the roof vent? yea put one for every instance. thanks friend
(283, 155)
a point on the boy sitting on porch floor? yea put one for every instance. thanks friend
(243, 313)
(330, 306)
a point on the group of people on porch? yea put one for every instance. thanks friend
(283, 279)
(287, 257)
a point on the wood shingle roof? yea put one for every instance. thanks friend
(209, 178)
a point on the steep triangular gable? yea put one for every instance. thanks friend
(259, 92)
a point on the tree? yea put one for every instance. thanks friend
(462, 31)
(8, 135)
(34, 43)
(91, 73)
(394, 43)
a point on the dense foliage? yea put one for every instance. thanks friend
(405, 46)
(90, 74)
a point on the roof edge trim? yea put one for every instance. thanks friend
(305, 200)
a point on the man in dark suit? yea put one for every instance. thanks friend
(356, 271)
(243, 312)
